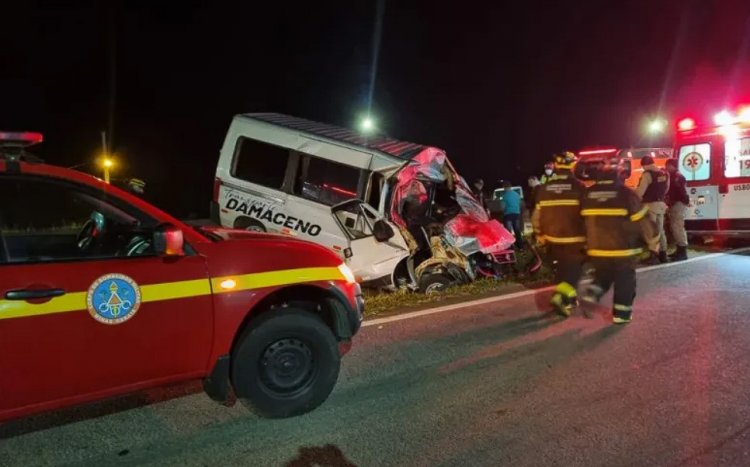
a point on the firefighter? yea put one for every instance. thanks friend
(559, 226)
(549, 171)
(652, 190)
(617, 223)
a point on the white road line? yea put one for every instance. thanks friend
(524, 293)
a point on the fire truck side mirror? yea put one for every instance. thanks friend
(169, 241)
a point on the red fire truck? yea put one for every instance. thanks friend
(102, 294)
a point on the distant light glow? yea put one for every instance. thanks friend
(656, 126)
(107, 163)
(367, 125)
(744, 115)
(597, 151)
(723, 118)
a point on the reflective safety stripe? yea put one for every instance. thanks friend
(639, 215)
(615, 253)
(552, 239)
(274, 278)
(604, 212)
(559, 202)
(564, 166)
(619, 307)
(76, 301)
(605, 182)
(566, 289)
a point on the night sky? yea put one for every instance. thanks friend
(498, 87)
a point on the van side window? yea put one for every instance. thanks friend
(325, 181)
(260, 163)
(737, 157)
(695, 161)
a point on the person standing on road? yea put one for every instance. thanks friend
(477, 190)
(558, 225)
(652, 190)
(678, 201)
(512, 213)
(611, 213)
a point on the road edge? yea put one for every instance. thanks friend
(524, 293)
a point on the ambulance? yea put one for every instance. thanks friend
(714, 157)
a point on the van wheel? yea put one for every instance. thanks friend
(434, 283)
(286, 363)
(246, 223)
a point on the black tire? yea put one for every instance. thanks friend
(304, 345)
(246, 223)
(434, 283)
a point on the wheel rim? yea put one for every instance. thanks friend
(435, 287)
(287, 366)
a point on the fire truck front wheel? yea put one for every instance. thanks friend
(286, 363)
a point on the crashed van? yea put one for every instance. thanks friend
(397, 212)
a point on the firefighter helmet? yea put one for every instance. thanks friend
(564, 160)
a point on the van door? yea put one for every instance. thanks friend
(734, 188)
(695, 163)
(368, 258)
(253, 196)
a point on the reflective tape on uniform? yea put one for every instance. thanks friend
(619, 307)
(639, 215)
(614, 253)
(559, 202)
(552, 239)
(604, 212)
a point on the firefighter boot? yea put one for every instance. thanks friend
(663, 257)
(592, 294)
(680, 254)
(622, 314)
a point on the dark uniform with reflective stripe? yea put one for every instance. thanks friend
(615, 222)
(558, 224)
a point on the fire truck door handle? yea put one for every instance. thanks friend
(31, 294)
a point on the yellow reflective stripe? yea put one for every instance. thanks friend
(172, 290)
(559, 202)
(273, 278)
(605, 182)
(615, 253)
(76, 301)
(564, 166)
(604, 212)
(639, 215)
(20, 308)
(623, 307)
(564, 239)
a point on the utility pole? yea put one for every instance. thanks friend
(106, 161)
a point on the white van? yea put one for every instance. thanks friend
(341, 189)
(284, 174)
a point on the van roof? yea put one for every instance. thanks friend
(400, 149)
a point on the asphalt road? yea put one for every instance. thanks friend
(494, 384)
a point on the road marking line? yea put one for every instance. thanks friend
(525, 293)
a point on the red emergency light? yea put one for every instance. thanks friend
(591, 152)
(21, 138)
(686, 124)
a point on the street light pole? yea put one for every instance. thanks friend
(105, 162)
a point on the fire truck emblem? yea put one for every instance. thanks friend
(113, 299)
(692, 161)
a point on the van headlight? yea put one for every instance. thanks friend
(347, 273)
